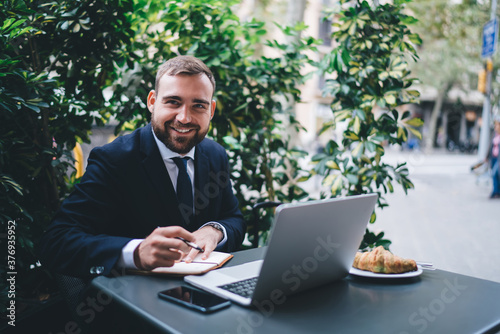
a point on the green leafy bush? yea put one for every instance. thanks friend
(369, 82)
(54, 59)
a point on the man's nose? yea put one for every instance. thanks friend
(183, 116)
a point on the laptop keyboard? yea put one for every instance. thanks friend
(242, 288)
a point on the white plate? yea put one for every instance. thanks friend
(364, 273)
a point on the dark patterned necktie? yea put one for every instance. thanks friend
(184, 189)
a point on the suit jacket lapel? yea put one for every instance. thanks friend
(202, 170)
(158, 176)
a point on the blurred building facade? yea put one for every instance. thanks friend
(460, 118)
(459, 122)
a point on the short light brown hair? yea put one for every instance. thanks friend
(187, 65)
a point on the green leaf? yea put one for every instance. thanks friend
(414, 93)
(415, 38)
(416, 122)
(346, 56)
(8, 181)
(358, 150)
(337, 185)
(357, 124)
(415, 132)
(37, 102)
(234, 129)
(409, 20)
(327, 181)
(383, 75)
(303, 178)
(396, 74)
(351, 135)
(342, 115)
(402, 134)
(353, 70)
(12, 23)
(352, 28)
(332, 165)
(390, 99)
(389, 185)
(326, 126)
(32, 107)
(353, 179)
(370, 146)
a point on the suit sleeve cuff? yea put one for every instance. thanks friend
(126, 260)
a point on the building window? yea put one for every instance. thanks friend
(325, 31)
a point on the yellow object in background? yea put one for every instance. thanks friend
(78, 155)
(489, 65)
(481, 81)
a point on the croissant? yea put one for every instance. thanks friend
(382, 261)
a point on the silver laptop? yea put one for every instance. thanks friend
(312, 243)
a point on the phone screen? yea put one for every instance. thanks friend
(194, 298)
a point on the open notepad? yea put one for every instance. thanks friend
(197, 267)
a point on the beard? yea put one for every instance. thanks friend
(177, 144)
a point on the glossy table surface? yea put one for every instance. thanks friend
(435, 302)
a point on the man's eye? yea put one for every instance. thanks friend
(173, 102)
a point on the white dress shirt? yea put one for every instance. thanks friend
(126, 259)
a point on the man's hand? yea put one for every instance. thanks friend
(207, 238)
(161, 249)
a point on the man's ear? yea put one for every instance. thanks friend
(151, 100)
(212, 111)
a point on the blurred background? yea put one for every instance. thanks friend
(315, 99)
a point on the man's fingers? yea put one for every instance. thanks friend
(169, 257)
(174, 231)
(157, 250)
(166, 237)
(207, 238)
(166, 258)
(191, 255)
(160, 242)
(165, 246)
(207, 252)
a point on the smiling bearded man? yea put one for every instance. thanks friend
(126, 212)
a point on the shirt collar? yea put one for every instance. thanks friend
(168, 154)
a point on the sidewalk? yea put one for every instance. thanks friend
(448, 219)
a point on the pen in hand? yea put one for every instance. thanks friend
(191, 244)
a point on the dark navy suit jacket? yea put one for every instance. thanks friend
(126, 193)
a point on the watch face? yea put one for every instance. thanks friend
(216, 226)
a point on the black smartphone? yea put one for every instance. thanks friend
(194, 298)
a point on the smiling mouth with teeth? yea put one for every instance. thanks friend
(182, 130)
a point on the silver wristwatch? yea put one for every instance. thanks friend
(217, 226)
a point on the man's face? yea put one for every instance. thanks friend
(181, 110)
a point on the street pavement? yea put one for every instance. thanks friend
(448, 219)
